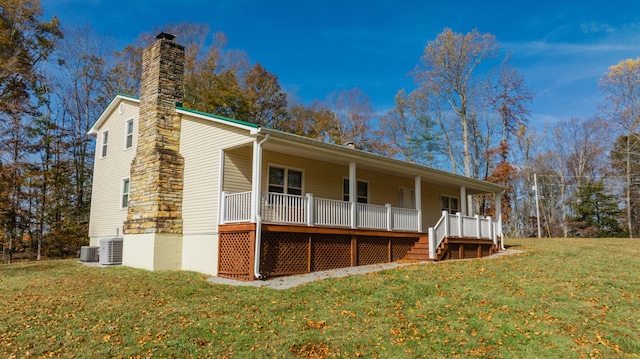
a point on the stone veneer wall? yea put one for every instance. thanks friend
(156, 182)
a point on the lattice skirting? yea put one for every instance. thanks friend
(236, 255)
(296, 253)
(468, 250)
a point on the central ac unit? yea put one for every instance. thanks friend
(111, 251)
(89, 253)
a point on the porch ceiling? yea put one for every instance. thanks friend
(316, 150)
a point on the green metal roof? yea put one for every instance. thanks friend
(232, 120)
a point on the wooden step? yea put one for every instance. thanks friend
(417, 257)
(421, 245)
(415, 250)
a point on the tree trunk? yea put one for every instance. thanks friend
(629, 222)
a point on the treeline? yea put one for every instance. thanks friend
(468, 114)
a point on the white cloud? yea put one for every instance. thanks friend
(596, 27)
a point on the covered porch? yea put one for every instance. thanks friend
(285, 199)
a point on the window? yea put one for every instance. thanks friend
(128, 141)
(285, 180)
(362, 191)
(406, 198)
(105, 140)
(124, 202)
(450, 204)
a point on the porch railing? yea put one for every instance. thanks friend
(404, 219)
(307, 210)
(371, 216)
(283, 208)
(330, 212)
(236, 207)
(457, 225)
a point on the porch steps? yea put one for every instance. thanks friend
(419, 251)
(464, 248)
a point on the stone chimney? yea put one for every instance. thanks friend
(156, 181)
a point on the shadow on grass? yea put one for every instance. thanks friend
(25, 267)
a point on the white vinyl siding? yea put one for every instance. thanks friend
(238, 164)
(200, 144)
(107, 216)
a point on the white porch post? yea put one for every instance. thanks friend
(256, 180)
(469, 205)
(478, 229)
(418, 193)
(432, 243)
(389, 217)
(310, 208)
(353, 197)
(463, 201)
(497, 197)
(492, 234)
(222, 206)
(447, 228)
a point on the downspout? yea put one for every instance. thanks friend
(257, 193)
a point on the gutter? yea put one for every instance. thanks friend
(256, 264)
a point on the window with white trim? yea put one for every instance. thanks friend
(450, 204)
(285, 180)
(128, 140)
(124, 198)
(362, 191)
(105, 142)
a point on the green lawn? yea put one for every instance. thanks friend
(562, 298)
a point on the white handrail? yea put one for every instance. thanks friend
(310, 211)
(371, 216)
(460, 226)
(284, 208)
(330, 212)
(236, 207)
(404, 219)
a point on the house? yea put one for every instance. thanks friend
(195, 191)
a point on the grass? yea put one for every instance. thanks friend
(565, 298)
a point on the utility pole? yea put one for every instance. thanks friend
(535, 186)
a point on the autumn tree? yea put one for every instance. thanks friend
(409, 130)
(212, 73)
(621, 84)
(84, 58)
(315, 121)
(449, 74)
(509, 98)
(354, 113)
(525, 148)
(25, 43)
(265, 103)
(625, 163)
(123, 75)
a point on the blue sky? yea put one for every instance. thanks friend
(315, 47)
